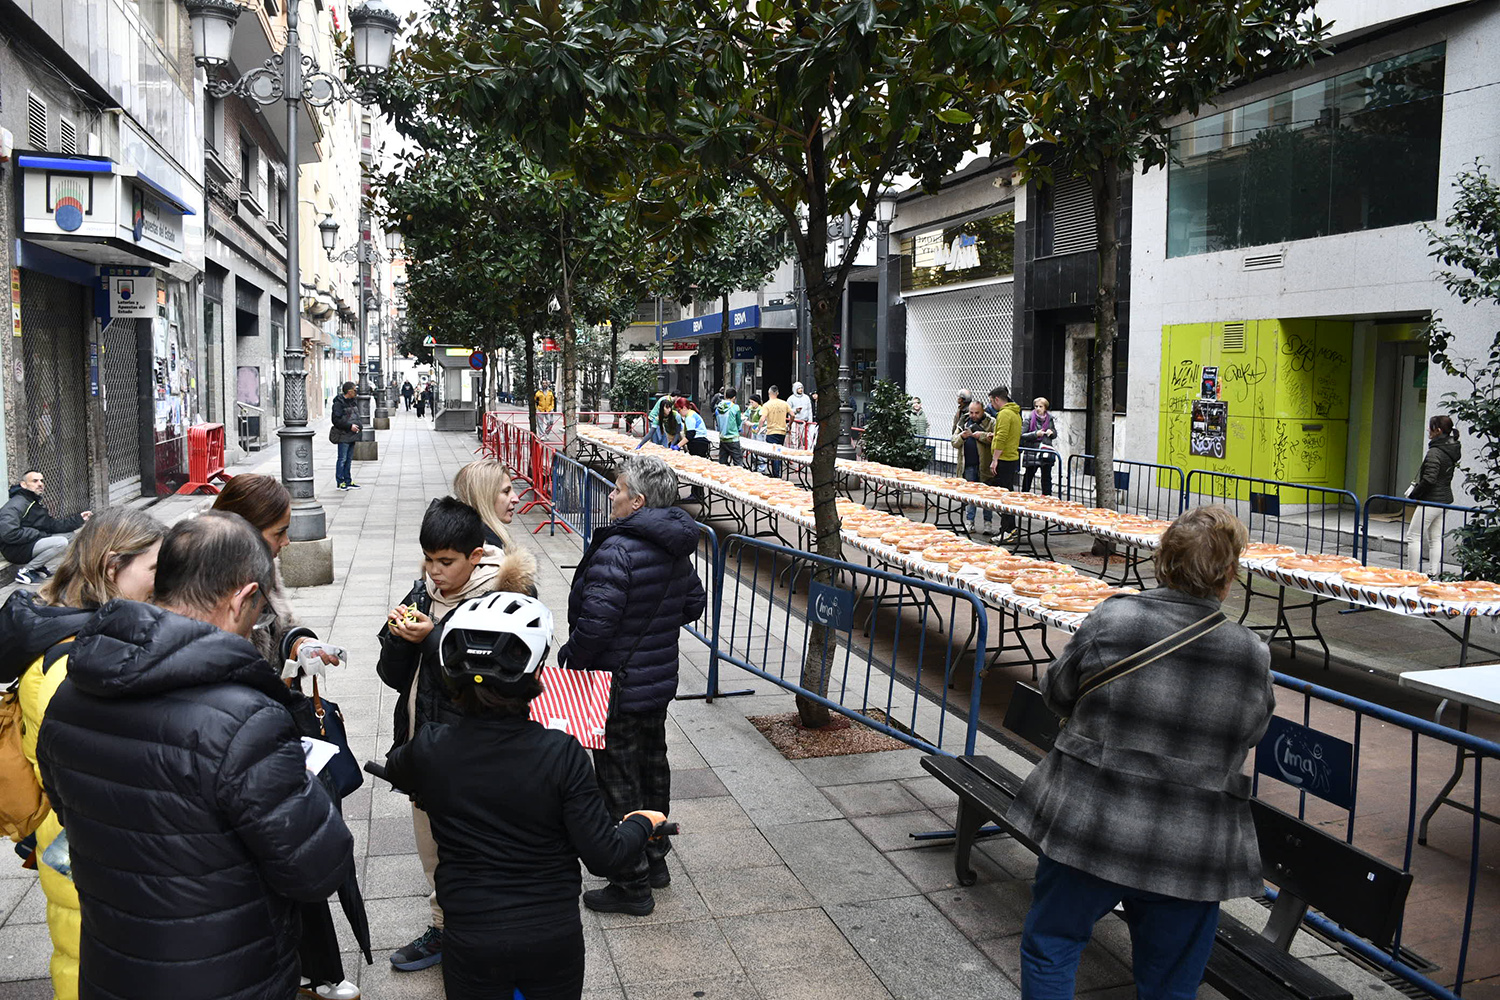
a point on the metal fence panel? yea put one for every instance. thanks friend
(1425, 532)
(1309, 518)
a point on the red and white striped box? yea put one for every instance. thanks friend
(575, 701)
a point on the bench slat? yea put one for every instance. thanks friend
(1295, 977)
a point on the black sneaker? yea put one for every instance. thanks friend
(351, 486)
(343, 486)
(660, 876)
(424, 951)
(27, 577)
(613, 899)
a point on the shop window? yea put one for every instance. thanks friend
(1356, 151)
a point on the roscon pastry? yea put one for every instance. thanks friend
(1381, 576)
(1318, 563)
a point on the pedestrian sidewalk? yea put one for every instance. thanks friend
(793, 880)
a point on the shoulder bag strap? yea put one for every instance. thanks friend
(54, 654)
(1156, 651)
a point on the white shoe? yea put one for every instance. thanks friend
(330, 991)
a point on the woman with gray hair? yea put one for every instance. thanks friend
(635, 587)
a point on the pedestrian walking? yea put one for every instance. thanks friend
(456, 566)
(29, 534)
(282, 639)
(774, 417)
(514, 806)
(634, 589)
(428, 400)
(407, 391)
(1142, 799)
(755, 426)
(1038, 431)
(188, 886)
(729, 419)
(1005, 459)
(546, 403)
(114, 555)
(1434, 484)
(972, 440)
(344, 433)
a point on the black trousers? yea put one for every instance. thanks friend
(318, 950)
(1005, 475)
(543, 962)
(633, 774)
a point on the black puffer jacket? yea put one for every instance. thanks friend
(344, 415)
(1435, 479)
(172, 760)
(632, 566)
(23, 520)
(29, 629)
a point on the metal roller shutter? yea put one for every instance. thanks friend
(958, 340)
(54, 321)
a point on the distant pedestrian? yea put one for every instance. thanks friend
(972, 441)
(175, 766)
(29, 534)
(917, 419)
(1005, 461)
(803, 407)
(694, 427)
(1038, 432)
(114, 555)
(546, 403)
(634, 589)
(774, 417)
(965, 397)
(729, 418)
(346, 430)
(407, 391)
(1434, 484)
(1142, 799)
(428, 400)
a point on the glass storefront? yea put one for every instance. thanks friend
(1356, 151)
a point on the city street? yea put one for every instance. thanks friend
(791, 880)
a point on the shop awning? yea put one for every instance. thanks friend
(100, 211)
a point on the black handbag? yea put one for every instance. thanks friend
(321, 719)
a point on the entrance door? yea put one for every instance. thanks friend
(1398, 431)
(54, 326)
(122, 409)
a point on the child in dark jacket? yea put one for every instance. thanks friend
(457, 565)
(513, 806)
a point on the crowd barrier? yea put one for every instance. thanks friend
(1308, 518)
(1340, 786)
(1449, 517)
(1144, 488)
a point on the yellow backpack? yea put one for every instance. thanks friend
(23, 804)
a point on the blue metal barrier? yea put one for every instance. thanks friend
(1310, 518)
(580, 496)
(1448, 518)
(768, 585)
(1386, 794)
(1144, 488)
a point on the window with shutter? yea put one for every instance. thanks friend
(1070, 221)
(67, 136)
(36, 122)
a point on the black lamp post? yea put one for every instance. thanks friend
(366, 255)
(294, 77)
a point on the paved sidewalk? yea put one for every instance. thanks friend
(793, 880)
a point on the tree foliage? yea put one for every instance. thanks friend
(1469, 247)
(888, 437)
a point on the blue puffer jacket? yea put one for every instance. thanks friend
(631, 566)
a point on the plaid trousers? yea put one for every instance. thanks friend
(633, 774)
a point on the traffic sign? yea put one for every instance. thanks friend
(429, 341)
(476, 361)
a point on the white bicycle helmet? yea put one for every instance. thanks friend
(495, 639)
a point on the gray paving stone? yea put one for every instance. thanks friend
(751, 890)
(985, 909)
(30, 989)
(1098, 970)
(392, 835)
(735, 987)
(670, 952)
(25, 952)
(773, 793)
(710, 815)
(382, 982)
(697, 783)
(872, 798)
(836, 863)
(676, 903)
(883, 766)
(32, 908)
(789, 939)
(839, 982)
(893, 833)
(930, 868)
(387, 876)
(604, 992)
(1010, 855)
(395, 921)
(1357, 980)
(726, 850)
(915, 952)
(933, 793)
(11, 891)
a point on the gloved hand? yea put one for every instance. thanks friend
(314, 657)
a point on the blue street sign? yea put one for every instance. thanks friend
(1304, 758)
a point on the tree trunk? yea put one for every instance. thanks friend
(530, 339)
(569, 347)
(1106, 185)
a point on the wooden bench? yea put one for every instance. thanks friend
(1310, 868)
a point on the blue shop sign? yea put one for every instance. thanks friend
(831, 606)
(744, 318)
(745, 349)
(1308, 760)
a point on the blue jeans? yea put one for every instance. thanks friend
(341, 473)
(1170, 938)
(776, 462)
(971, 473)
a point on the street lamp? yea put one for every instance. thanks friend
(885, 214)
(294, 77)
(363, 253)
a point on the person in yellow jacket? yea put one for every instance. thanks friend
(1006, 460)
(113, 555)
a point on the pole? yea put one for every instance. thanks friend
(883, 305)
(301, 565)
(661, 364)
(846, 405)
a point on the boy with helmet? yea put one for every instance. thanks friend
(513, 806)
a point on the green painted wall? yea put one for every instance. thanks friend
(1287, 392)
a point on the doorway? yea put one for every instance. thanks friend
(1398, 410)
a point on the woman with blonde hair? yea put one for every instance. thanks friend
(485, 485)
(112, 556)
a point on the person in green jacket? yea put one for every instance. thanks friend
(1005, 461)
(917, 418)
(971, 438)
(728, 419)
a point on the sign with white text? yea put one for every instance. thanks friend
(1308, 760)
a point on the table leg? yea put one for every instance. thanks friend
(1458, 768)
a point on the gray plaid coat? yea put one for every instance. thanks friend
(1143, 786)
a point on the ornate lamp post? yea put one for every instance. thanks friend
(366, 255)
(294, 77)
(885, 214)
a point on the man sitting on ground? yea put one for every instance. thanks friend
(30, 535)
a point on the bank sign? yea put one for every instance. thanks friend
(99, 211)
(744, 318)
(1308, 760)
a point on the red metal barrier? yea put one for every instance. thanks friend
(530, 462)
(205, 458)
